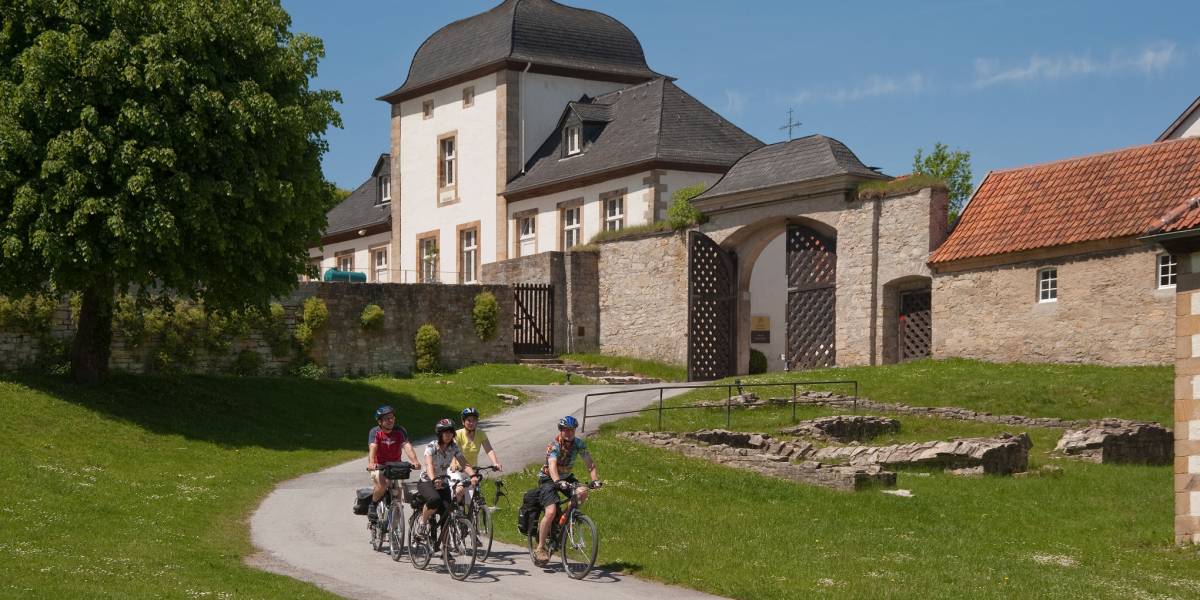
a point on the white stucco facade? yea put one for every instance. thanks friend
(543, 100)
(768, 298)
(425, 206)
(1190, 127)
(640, 192)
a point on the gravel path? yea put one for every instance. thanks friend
(304, 528)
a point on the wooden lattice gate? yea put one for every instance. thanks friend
(916, 324)
(812, 298)
(533, 318)
(712, 308)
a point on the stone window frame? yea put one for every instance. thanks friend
(447, 193)
(428, 273)
(343, 254)
(373, 263)
(427, 109)
(518, 237)
(575, 204)
(1168, 270)
(573, 133)
(385, 190)
(1047, 285)
(468, 96)
(472, 227)
(620, 219)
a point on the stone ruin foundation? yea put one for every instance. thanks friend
(844, 428)
(1002, 455)
(1118, 441)
(760, 454)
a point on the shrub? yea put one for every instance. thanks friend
(304, 336)
(486, 315)
(371, 318)
(28, 314)
(310, 370)
(247, 363)
(758, 362)
(427, 347)
(681, 214)
(273, 328)
(316, 314)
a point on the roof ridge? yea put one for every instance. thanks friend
(1082, 157)
(619, 91)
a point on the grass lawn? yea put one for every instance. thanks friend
(140, 487)
(646, 368)
(1098, 531)
(1033, 390)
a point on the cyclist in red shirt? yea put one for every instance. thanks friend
(386, 443)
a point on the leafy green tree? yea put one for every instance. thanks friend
(161, 146)
(952, 167)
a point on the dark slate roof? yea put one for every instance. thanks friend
(358, 210)
(542, 32)
(802, 159)
(655, 120)
(591, 113)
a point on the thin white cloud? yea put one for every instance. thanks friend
(1151, 60)
(873, 86)
(735, 102)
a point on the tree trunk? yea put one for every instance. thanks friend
(93, 339)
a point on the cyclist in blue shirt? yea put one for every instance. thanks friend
(556, 477)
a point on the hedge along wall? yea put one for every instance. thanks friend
(22, 349)
(342, 346)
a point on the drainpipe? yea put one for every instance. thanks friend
(521, 101)
(876, 209)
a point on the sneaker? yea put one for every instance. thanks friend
(540, 556)
(421, 531)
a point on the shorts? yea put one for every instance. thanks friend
(547, 491)
(434, 497)
(377, 478)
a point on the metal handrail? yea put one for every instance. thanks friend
(728, 397)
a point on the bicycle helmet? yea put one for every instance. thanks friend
(469, 412)
(384, 411)
(444, 425)
(568, 422)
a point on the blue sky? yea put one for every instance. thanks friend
(1014, 83)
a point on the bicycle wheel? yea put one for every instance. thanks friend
(532, 537)
(580, 544)
(459, 546)
(484, 526)
(419, 551)
(379, 531)
(396, 531)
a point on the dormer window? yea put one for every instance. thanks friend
(385, 189)
(574, 137)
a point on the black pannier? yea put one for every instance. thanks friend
(397, 470)
(362, 501)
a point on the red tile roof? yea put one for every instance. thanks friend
(1109, 195)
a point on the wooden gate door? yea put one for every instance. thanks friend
(916, 324)
(712, 308)
(812, 298)
(533, 318)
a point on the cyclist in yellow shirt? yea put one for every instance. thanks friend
(471, 439)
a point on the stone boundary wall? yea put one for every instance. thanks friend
(643, 297)
(341, 347)
(1109, 311)
(575, 278)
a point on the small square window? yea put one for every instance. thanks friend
(574, 135)
(468, 96)
(1167, 269)
(427, 109)
(1048, 285)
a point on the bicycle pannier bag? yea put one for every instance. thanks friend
(362, 501)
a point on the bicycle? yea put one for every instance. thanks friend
(480, 514)
(389, 518)
(573, 533)
(457, 538)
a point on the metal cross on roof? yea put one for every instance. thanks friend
(791, 124)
